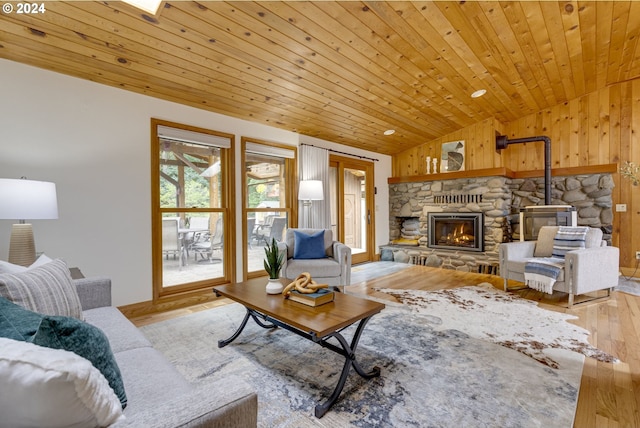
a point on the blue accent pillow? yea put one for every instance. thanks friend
(66, 333)
(308, 246)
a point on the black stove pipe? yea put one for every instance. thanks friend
(502, 142)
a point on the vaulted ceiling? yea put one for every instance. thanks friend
(341, 71)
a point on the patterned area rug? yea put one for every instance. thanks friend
(431, 375)
(522, 325)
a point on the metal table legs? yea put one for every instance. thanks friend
(348, 351)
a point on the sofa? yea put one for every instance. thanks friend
(157, 395)
(592, 267)
(315, 251)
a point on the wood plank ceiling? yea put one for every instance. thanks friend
(341, 71)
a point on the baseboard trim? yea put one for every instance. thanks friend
(165, 304)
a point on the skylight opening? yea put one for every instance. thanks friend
(150, 6)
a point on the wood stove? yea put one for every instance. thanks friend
(456, 231)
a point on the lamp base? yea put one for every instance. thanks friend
(22, 247)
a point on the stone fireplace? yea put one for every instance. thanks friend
(456, 231)
(499, 200)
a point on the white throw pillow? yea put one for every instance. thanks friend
(6, 267)
(46, 289)
(42, 260)
(43, 387)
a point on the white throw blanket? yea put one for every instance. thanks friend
(541, 273)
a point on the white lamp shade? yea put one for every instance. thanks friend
(311, 190)
(27, 200)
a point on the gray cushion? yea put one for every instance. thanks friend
(318, 268)
(46, 289)
(149, 379)
(122, 334)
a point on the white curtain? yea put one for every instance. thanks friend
(314, 165)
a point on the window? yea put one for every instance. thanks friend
(191, 208)
(269, 182)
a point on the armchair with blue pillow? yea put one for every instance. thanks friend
(315, 251)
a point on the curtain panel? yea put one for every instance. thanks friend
(314, 165)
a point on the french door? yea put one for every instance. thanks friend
(352, 210)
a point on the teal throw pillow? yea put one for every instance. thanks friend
(67, 333)
(308, 246)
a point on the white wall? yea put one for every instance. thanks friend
(93, 141)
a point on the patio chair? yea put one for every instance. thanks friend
(263, 230)
(251, 224)
(275, 230)
(198, 231)
(171, 242)
(205, 247)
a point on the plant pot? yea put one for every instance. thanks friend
(274, 286)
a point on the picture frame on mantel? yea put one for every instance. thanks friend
(452, 157)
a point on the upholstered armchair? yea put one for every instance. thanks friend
(593, 268)
(315, 251)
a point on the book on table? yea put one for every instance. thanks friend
(318, 298)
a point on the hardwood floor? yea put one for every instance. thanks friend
(609, 393)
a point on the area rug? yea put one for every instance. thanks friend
(430, 376)
(523, 326)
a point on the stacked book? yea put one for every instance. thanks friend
(318, 298)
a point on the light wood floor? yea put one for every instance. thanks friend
(609, 393)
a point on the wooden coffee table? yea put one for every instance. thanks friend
(318, 324)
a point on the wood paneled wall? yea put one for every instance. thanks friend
(599, 128)
(479, 150)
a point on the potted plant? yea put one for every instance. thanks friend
(273, 262)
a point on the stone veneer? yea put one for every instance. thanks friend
(500, 199)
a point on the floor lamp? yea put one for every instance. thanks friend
(22, 200)
(310, 190)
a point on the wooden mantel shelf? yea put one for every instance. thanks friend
(506, 172)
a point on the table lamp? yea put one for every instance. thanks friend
(22, 199)
(310, 190)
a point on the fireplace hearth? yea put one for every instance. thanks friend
(456, 231)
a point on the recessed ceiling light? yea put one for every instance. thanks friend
(389, 132)
(478, 93)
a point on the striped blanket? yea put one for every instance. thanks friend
(541, 273)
